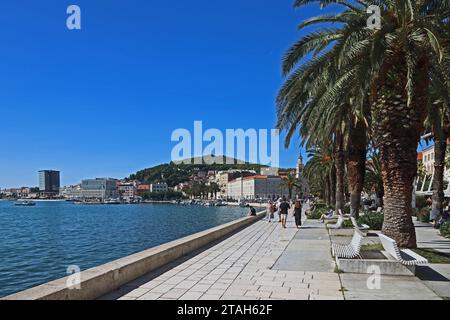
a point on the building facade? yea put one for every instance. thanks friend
(225, 177)
(142, 189)
(49, 181)
(428, 157)
(100, 188)
(159, 187)
(257, 187)
(71, 192)
(126, 190)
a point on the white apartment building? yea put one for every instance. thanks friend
(159, 187)
(224, 177)
(71, 192)
(256, 187)
(428, 159)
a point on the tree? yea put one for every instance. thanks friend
(320, 173)
(214, 187)
(393, 67)
(374, 179)
(356, 163)
(440, 127)
(290, 183)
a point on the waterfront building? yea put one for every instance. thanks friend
(49, 182)
(182, 186)
(127, 190)
(159, 187)
(100, 188)
(256, 187)
(142, 189)
(224, 177)
(71, 192)
(23, 192)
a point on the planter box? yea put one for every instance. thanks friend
(387, 266)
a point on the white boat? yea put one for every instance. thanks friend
(112, 201)
(25, 204)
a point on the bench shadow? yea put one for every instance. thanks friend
(425, 273)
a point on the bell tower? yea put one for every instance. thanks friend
(300, 167)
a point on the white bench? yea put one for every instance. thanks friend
(343, 215)
(363, 227)
(351, 250)
(339, 224)
(404, 256)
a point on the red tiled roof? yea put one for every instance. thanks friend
(420, 156)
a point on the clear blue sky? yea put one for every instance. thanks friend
(104, 101)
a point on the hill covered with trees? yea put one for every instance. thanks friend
(175, 173)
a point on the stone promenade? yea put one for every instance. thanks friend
(263, 261)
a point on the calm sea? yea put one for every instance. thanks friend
(37, 244)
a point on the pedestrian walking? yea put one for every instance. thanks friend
(298, 213)
(270, 211)
(284, 207)
(277, 206)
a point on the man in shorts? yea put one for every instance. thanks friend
(284, 207)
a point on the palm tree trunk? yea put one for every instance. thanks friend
(340, 168)
(332, 185)
(396, 128)
(356, 165)
(326, 190)
(440, 149)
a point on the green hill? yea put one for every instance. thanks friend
(175, 173)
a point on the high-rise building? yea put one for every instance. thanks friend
(49, 181)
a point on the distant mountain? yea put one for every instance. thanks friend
(175, 173)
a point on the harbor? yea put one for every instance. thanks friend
(39, 243)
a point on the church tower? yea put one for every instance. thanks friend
(300, 167)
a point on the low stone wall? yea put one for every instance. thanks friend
(386, 267)
(98, 281)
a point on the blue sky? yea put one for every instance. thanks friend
(104, 101)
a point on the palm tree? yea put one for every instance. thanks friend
(214, 188)
(391, 66)
(290, 183)
(320, 173)
(440, 126)
(375, 178)
(356, 163)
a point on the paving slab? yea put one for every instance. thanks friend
(391, 288)
(310, 250)
(266, 261)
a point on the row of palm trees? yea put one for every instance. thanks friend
(352, 92)
(204, 191)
